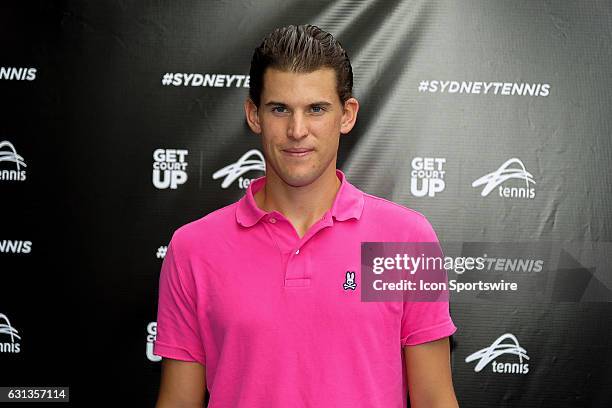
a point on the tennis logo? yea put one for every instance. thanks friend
(506, 344)
(427, 176)
(15, 247)
(151, 336)
(19, 74)
(251, 160)
(11, 163)
(8, 331)
(505, 173)
(169, 168)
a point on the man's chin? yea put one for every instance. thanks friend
(300, 179)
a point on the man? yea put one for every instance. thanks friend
(258, 300)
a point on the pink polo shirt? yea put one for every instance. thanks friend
(267, 315)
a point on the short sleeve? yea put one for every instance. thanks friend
(178, 334)
(425, 321)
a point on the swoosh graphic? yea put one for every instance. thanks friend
(237, 169)
(502, 174)
(7, 329)
(11, 156)
(488, 354)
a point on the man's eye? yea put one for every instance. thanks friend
(278, 109)
(317, 109)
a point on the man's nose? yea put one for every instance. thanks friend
(297, 126)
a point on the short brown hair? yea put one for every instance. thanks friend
(301, 48)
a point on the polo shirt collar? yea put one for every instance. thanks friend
(347, 204)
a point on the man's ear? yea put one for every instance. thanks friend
(252, 117)
(349, 115)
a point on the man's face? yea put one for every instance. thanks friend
(300, 119)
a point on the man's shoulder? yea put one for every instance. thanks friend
(398, 219)
(379, 206)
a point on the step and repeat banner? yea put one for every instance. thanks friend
(122, 121)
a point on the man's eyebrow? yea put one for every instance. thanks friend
(319, 103)
(274, 103)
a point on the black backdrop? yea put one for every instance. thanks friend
(85, 106)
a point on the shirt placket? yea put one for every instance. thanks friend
(295, 254)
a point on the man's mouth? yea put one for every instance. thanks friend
(301, 152)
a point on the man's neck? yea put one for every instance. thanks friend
(302, 206)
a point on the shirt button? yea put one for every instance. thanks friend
(297, 252)
(272, 220)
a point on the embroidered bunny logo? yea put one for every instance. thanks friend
(350, 281)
